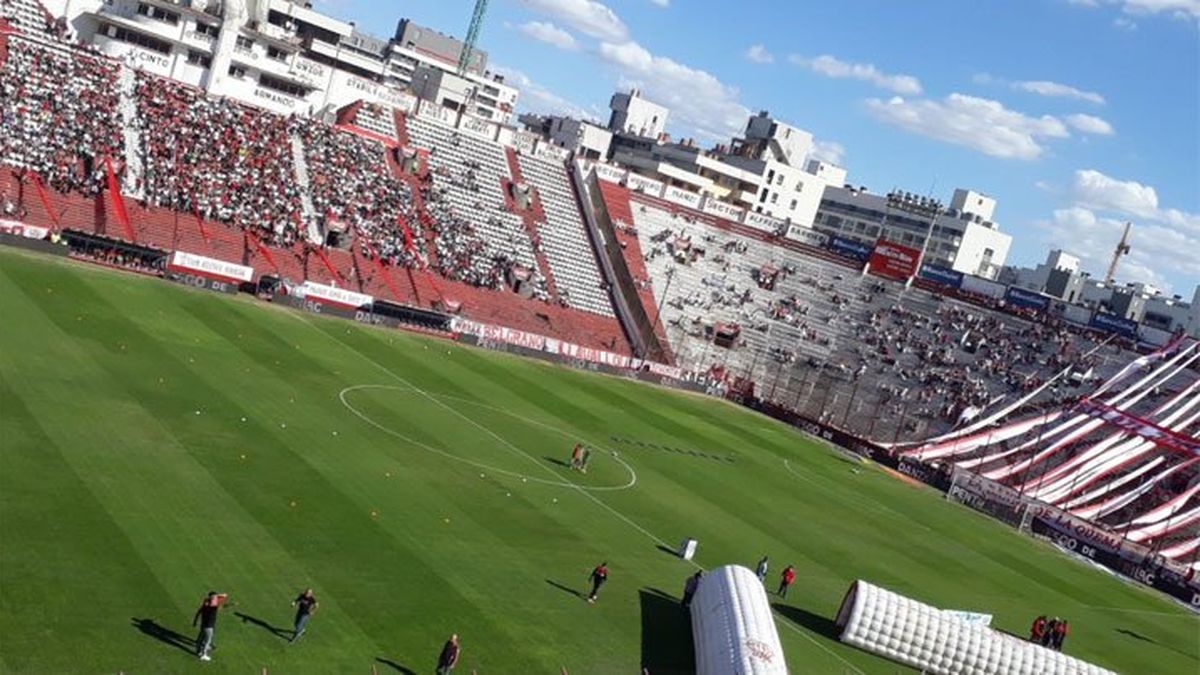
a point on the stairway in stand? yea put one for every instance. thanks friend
(306, 205)
(530, 218)
(132, 184)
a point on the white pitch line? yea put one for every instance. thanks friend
(424, 446)
(583, 492)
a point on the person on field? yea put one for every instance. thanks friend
(206, 616)
(449, 656)
(761, 570)
(306, 606)
(598, 576)
(1059, 635)
(1048, 634)
(1038, 629)
(577, 456)
(689, 588)
(786, 579)
(584, 457)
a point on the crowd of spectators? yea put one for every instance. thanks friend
(352, 187)
(59, 113)
(218, 158)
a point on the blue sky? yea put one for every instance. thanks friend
(1075, 114)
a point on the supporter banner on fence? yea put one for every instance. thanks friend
(1019, 297)
(20, 229)
(1114, 324)
(210, 267)
(851, 248)
(1088, 539)
(575, 351)
(890, 259)
(332, 295)
(942, 275)
(981, 494)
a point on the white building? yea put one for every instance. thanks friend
(276, 54)
(760, 172)
(587, 140)
(632, 114)
(961, 240)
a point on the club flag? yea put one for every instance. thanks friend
(45, 197)
(114, 189)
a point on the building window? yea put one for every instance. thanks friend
(244, 42)
(237, 71)
(793, 206)
(135, 38)
(196, 58)
(282, 86)
(799, 186)
(207, 29)
(158, 13)
(771, 175)
(775, 198)
(275, 53)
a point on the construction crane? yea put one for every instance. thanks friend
(1121, 249)
(468, 49)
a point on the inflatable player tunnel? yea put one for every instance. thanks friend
(732, 626)
(902, 629)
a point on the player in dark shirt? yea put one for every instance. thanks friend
(449, 656)
(598, 577)
(206, 615)
(306, 606)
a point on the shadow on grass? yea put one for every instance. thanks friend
(669, 551)
(396, 666)
(559, 462)
(165, 635)
(282, 633)
(666, 634)
(565, 588)
(805, 619)
(1138, 636)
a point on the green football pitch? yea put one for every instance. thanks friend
(157, 442)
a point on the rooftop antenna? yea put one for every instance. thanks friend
(468, 49)
(1121, 249)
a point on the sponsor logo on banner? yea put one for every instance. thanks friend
(850, 248)
(942, 275)
(20, 229)
(1020, 297)
(210, 267)
(1114, 324)
(975, 618)
(331, 295)
(889, 259)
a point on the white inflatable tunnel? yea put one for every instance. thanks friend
(732, 625)
(899, 628)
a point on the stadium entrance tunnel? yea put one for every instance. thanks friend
(486, 438)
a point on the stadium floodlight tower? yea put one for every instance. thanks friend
(468, 49)
(922, 207)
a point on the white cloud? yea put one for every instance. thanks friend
(1095, 190)
(547, 32)
(1124, 23)
(759, 54)
(586, 16)
(1057, 89)
(537, 98)
(1090, 124)
(1153, 247)
(661, 3)
(1175, 8)
(978, 123)
(703, 104)
(831, 66)
(828, 151)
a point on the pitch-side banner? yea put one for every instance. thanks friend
(331, 295)
(210, 267)
(20, 229)
(1115, 324)
(1019, 297)
(893, 260)
(942, 275)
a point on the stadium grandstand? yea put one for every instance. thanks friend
(1038, 412)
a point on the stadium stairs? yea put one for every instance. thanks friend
(401, 123)
(620, 210)
(530, 218)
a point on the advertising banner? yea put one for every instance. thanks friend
(850, 248)
(942, 275)
(892, 260)
(20, 229)
(1110, 323)
(332, 295)
(210, 268)
(1019, 297)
